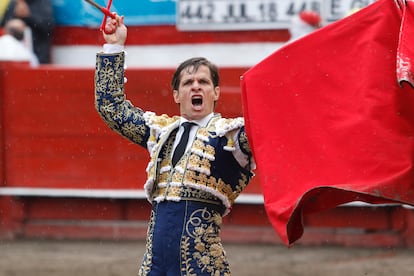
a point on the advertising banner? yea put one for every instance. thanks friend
(142, 12)
(205, 14)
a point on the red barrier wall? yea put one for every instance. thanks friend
(54, 137)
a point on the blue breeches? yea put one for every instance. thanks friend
(184, 239)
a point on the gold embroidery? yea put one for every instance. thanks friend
(129, 129)
(110, 101)
(194, 160)
(198, 195)
(177, 177)
(210, 150)
(190, 176)
(163, 178)
(164, 120)
(198, 145)
(194, 169)
(244, 143)
(202, 179)
(186, 193)
(147, 259)
(202, 233)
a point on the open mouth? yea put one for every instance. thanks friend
(197, 100)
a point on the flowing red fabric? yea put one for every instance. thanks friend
(330, 117)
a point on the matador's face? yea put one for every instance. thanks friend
(196, 93)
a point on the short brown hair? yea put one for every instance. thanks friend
(195, 63)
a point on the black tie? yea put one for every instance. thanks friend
(179, 150)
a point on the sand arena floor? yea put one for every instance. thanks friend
(118, 258)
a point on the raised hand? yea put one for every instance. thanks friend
(115, 31)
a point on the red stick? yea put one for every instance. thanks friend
(102, 9)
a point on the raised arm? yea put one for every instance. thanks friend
(110, 100)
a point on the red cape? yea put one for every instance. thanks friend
(330, 117)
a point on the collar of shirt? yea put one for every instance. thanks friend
(199, 123)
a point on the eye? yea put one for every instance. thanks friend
(187, 82)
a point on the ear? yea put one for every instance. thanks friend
(175, 96)
(217, 93)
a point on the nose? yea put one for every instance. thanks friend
(196, 85)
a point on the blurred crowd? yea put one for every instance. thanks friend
(28, 27)
(28, 30)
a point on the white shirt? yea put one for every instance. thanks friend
(198, 123)
(15, 50)
(12, 49)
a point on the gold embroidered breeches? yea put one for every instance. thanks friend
(184, 239)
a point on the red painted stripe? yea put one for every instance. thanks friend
(166, 34)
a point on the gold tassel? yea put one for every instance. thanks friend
(230, 144)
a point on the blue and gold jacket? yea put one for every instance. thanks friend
(218, 165)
